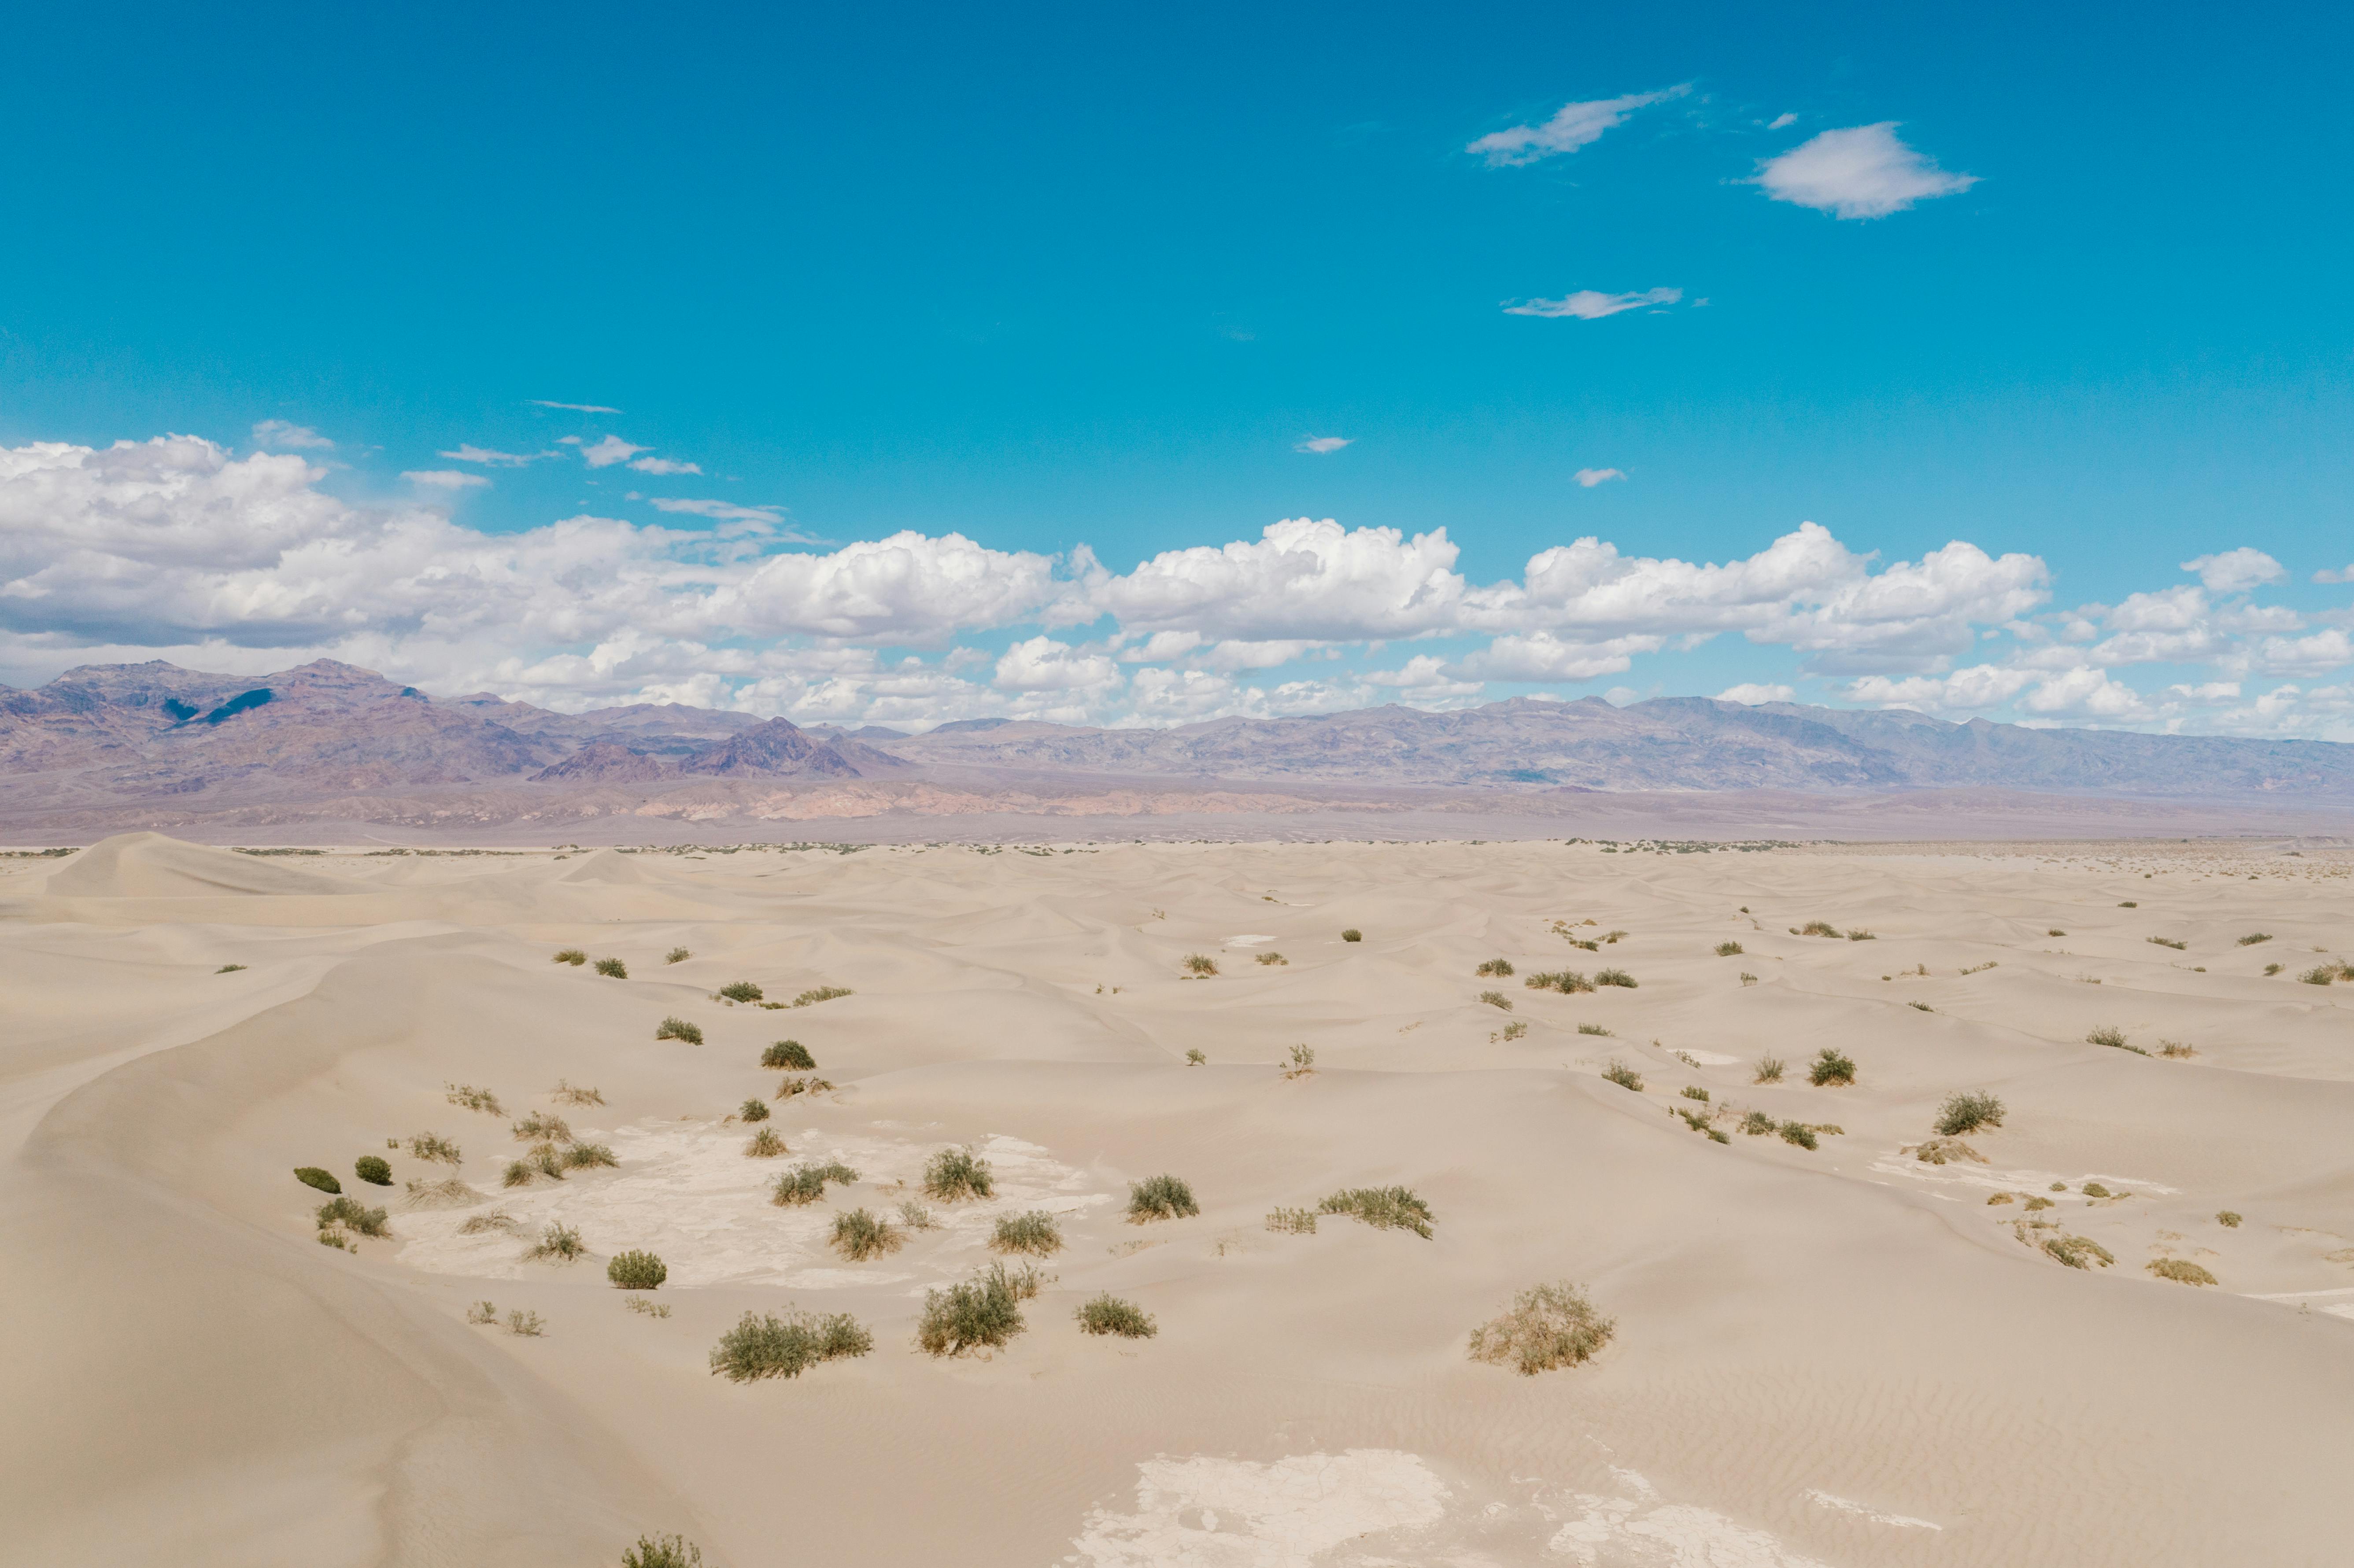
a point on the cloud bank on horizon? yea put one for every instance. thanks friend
(179, 549)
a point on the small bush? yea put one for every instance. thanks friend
(1034, 1233)
(1769, 1070)
(564, 1094)
(1728, 949)
(679, 956)
(1614, 977)
(2129, 903)
(572, 956)
(586, 1156)
(440, 1150)
(765, 1145)
(2228, 1220)
(1861, 936)
(1197, 1059)
(811, 998)
(765, 1345)
(1816, 928)
(612, 968)
(1352, 935)
(1303, 1062)
(1273, 959)
(1946, 1151)
(663, 1551)
(1547, 1327)
(312, 1176)
(526, 1325)
(2176, 1050)
(753, 1110)
(1596, 1028)
(1800, 1133)
(639, 1304)
(2182, 1271)
(1160, 1198)
(859, 1235)
(1200, 964)
(2001, 1198)
(481, 1312)
(1107, 1314)
(1625, 1077)
(955, 1173)
(1756, 1123)
(2168, 942)
(543, 1124)
(1748, 979)
(1292, 1221)
(559, 1243)
(519, 1173)
(2105, 1035)
(2035, 1202)
(2325, 974)
(2078, 1252)
(1384, 1208)
(2094, 1189)
(496, 1220)
(1496, 999)
(790, 1054)
(1693, 1092)
(1512, 1031)
(373, 1169)
(2253, 938)
(740, 991)
(637, 1271)
(1920, 1007)
(1569, 983)
(1831, 1068)
(473, 1098)
(985, 1311)
(351, 1212)
(1498, 967)
(1964, 1113)
(786, 1088)
(916, 1217)
(679, 1028)
(2055, 931)
(2272, 970)
(806, 1183)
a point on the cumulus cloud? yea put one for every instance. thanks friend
(1043, 664)
(605, 453)
(2235, 571)
(1590, 477)
(443, 478)
(1543, 656)
(489, 458)
(1590, 304)
(662, 465)
(1749, 695)
(1300, 578)
(1865, 171)
(2335, 575)
(1321, 444)
(1573, 126)
(277, 435)
(575, 407)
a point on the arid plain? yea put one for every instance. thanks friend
(1843, 1354)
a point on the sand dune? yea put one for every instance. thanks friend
(1839, 1356)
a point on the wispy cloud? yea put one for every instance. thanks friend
(1865, 171)
(665, 465)
(1321, 444)
(490, 459)
(575, 407)
(604, 453)
(1574, 126)
(280, 435)
(1781, 121)
(444, 478)
(1590, 477)
(721, 511)
(1591, 304)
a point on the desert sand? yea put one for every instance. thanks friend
(1843, 1355)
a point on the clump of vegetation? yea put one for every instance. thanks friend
(1964, 1113)
(1614, 977)
(2253, 938)
(2228, 1220)
(1496, 999)
(806, 1183)
(1569, 983)
(473, 1098)
(2106, 1035)
(740, 991)
(1161, 1197)
(1197, 1059)
(2176, 1050)
(1800, 1133)
(2272, 970)
(1499, 967)
(1693, 1092)
(639, 1304)
(1352, 935)
(859, 1235)
(1547, 1327)
(352, 1214)
(1729, 950)
(559, 1243)
(816, 994)
(1596, 1028)
(1769, 1070)
(663, 1551)
(680, 956)
(440, 1150)
(2055, 931)
(679, 1028)
(582, 1156)
(564, 1094)
(523, 1173)
(788, 1087)
(229, 968)
(496, 1220)
(2036, 1202)
(955, 1173)
(790, 1054)
(1292, 1221)
(1511, 1031)
(481, 1312)
(2168, 942)
(2180, 1270)
(1756, 1123)
(312, 1176)
(543, 1124)
(1832, 1068)
(1271, 959)
(1945, 1150)
(525, 1325)
(1107, 1314)
(1625, 1077)
(612, 968)
(1303, 1062)
(448, 1193)
(2001, 1198)
(2094, 1189)
(765, 1345)
(1920, 1007)
(2325, 974)
(1748, 979)
(2078, 1252)
(1384, 1208)
(982, 1311)
(765, 1145)
(2129, 903)
(1034, 1233)
(637, 1271)
(1859, 934)
(1200, 964)
(1814, 928)
(573, 956)
(373, 1169)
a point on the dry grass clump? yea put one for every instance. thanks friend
(2108, 1034)
(1200, 964)
(1769, 1070)
(753, 1110)
(1814, 928)
(1496, 999)
(1569, 983)
(481, 1312)
(2002, 1198)
(982, 1311)
(1352, 935)
(559, 1243)
(790, 1054)
(564, 1094)
(1618, 1073)
(663, 1551)
(2077, 1252)
(312, 1176)
(1384, 1208)
(1292, 1221)
(765, 1145)
(679, 1028)
(1693, 1092)
(1728, 949)
(2094, 1189)
(739, 991)
(916, 1217)
(525, 1325)
(1859, 934)
(2325, 974)
(1800, 1133)
(2253, 938)
(573, 956)
(1964, 1113)
(1614, 977)
(1303, 1062)
(859, 1235)
(1272, 957)
(676, 956)
(1832, 1068)
(588, 1156)
(496, 1220)
(1596, 1028)
(639, 1305)
(1547, 1327)
(440, 1150)
(450, 1192)
(1497, 966)
(1511, 1031)
(765, 1345)
(956, 1173)
(1035, 1233)
(374, 1169)
(1107, 1314)
(787, 1087)
(2176, 1050)
(816, 994)
(2036, 1202)
(612, 968)
(1756, 1123)
(543, 1125)
(806, 1183)
(473, 1098)
(2168, 942)
(636, 1270)
(1946, 1150)
(1162, 1197)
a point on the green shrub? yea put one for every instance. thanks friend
(1200, 964)
(1384, 1208)
(1292, 1221)
(821, 994)
(663, 1551)
(350, 1213)
(1569, 983)
(582, 1156)
(2325, 974)
(680, 956)
(985, 1311)
(559, 1243)
(2177, 1050)
(2272, 970)
(859, 1235)
(2035, 1202)
(573, 956)
(528, 1325)
(440, 1150)
(1832, 1068)
(1769, 1070)
(373, 1169)
(481, 1312)
(2094, 1189)
(2251, 939)
(2055, 931)
(1693, 1092)
(612, 968)
(1614, 977)
(1197, 1059)
(2105, 1035)
(806, 1183)
(1596, 1028)
(1034, 1233)
(520, 1173)
(1160, 1198)
(2078, 1252)
(1546, 1327)
(790, 1054)
(1756, 1123)
(2228, 1220)
(955, 1173)
(1625, 1077)
(637, 1271)
(765, 1145)
(639, 1305)
(1272, 957)
(2129, 903)
(1107, 1314)
(1512, 1031)
(473, 1098)
(1501, 967)
(1303, 1062)
(1964, 1113)
(1800, 1133)
(312, 1176)
(1728, 949)
(753, 1110)
(741, 990)
(1352, 935)
(679, 1028)
(765, 1345)
(1496, 999)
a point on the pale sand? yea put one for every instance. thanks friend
(1844, 1357)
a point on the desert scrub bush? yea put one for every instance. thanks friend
(2094, 1189)
(1303, 1062)
(765, 1345)
(2077, 1252)
(1292, 1221)
(448, 1193)
(1384, 1208)
(663, 1551)
(2180, 1270)
(1352, 935)
(2129, 903)
(521, 1173)
(1728, 949)
(2176, 1050)
(753, 1110)
(373, 1169)
(1748, 979)
(806, 1183)
(559, 1243)
(916, 1217)
(739, 991)
(1496, 999)
(351, 1212)
(985, 1311)
(2325, 974)
(679, 1028)
(1814, 928)
(1107, 1314)
(2272, 970)
(1968, 1112)
(787, 1087)
(2105, 1035)
(496, 1220)
(573, 956)
(1920, 1007)
(1769, 1070)
(312, 1176)
(1861, 934)
(1512, 1031)
(789, 1054)
(1800, 1133)
(1200, 964)
(1569, 983)
(1273, 959)
(2055, 931)
(1831, 1068)
(1756, 1123)
(1693, 1092)
(2001, 1198)
(2036, 1203)
(229, 970)
(2168, 942)
(1947, 1151)
(816, 994)
(1618, 1073)
(543, 1126)
(1596, 1028)
(1162, 1197)
(1034, 1233)
(439, 1150)
(481, 1312)
(1614, 977)
(612, 968)
(564, 1094)
(2253, 938)
(473, 1098)
(588, 1156)
(765, 1145)
(1498, 967)
(1546, 1327)
(859, 1235)
(2228, 1220)
(636, 1270)
(525, 1325)
(1197, 1059)
(680, 956)
(955, 1173)
(649, 1308)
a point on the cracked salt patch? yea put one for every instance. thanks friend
(1202, 1512)
(1844, 1504)
(686, 1192)
(1965, 1174)
(1636, 1527)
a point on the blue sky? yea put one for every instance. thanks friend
(2060, 287)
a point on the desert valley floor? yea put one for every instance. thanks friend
(1841, 1355)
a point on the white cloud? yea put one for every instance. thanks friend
(1749, 694)
(1780, 121)
(2315, 655)
(2337, 575)
(1862, 172)
(1589, 304)
(575, 407)
(278, 434)
(607, 452)
(444, 479)
(1542, 656)
(660, 465)
(490, 459)
(723, 510)
(1321, 444)
(1043, 664)
(1300, 578)
(1574, 125)
(1590, 477)
(2235, 571)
